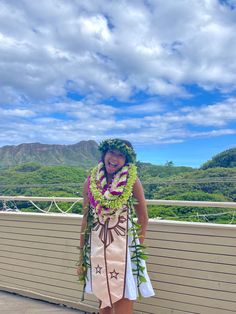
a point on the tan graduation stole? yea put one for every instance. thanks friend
(108, 257)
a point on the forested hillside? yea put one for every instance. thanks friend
(159, 182)
(225, 159)
(32, 179)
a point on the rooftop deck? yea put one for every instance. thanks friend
(192, 265)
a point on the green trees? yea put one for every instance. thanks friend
(226, 159)
(32, 179)
(159, 182)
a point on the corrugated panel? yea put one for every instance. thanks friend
(192, 266)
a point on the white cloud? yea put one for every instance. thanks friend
(95, 26)
(16, 113)
(70, 122)
(149, 107)
(110, 50)
(212, 115)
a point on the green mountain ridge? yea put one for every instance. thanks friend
(82, 154)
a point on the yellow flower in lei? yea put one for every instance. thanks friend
(106, 202)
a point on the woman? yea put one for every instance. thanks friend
(112, 261)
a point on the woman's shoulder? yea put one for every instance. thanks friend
(86, 184)
(137, 182)
(137, 187)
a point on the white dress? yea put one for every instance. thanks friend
(131, 289)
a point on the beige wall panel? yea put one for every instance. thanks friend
(43, 239)
(46, 286)
(44, 273)
(182, 296)
(38, 265)
(200, 308)
(40, 225)
(193, 228)
(41, 252)
(50, 218)
(155, 244)
(46, 232)
(193, 282)
(192, 273)
(41, 259)
(192, 266)
(191, 238)
(198, 256)
(41, 245)
(196, 291)
(58, 282)
(161, 310)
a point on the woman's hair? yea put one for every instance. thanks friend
(124, 146)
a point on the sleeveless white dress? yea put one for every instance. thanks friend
(131, 289)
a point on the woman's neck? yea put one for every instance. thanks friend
(109, 178)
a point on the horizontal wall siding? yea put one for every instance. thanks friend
(192, 266)
(38, 255)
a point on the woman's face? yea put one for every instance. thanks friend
(114, 160)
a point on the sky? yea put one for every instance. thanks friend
(161, 74)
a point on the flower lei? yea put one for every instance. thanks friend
(106, 200)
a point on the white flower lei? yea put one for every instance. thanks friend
(121, 184)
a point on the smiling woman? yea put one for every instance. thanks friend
(112, 261)
(114, 160)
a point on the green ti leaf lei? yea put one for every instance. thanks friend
(138, 249)
(84, 260)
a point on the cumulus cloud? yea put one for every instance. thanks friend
(107, 52)
(16, 113)
(112, 48)
(70, 122)
(212, 115)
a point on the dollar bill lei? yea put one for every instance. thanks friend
(107, 199)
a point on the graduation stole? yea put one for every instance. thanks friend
(109, 232)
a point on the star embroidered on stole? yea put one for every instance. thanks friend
(98, 269)
(114, 274)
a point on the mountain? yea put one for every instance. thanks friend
(225, 159)
(84, 154)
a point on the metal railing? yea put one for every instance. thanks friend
(149, 202)
(74, 200)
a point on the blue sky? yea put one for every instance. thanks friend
(161, 74)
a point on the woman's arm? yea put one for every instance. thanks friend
(85, 213)
(140, 208)
(84, 223)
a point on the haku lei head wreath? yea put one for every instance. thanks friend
(123, 146)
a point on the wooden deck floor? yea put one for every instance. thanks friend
(15, 304)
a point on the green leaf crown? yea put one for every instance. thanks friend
(119, 145)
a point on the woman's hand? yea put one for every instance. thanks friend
(80, 271)
(80, 268)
